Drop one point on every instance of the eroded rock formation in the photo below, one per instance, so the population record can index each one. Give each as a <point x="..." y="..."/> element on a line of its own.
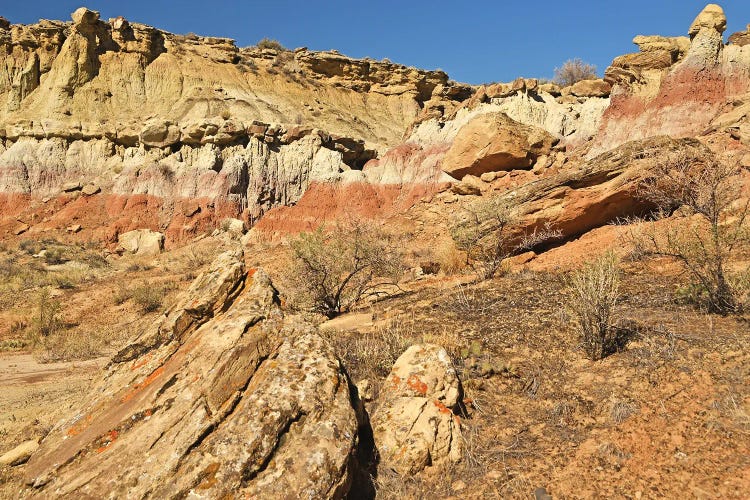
<point x="221" y="395"/>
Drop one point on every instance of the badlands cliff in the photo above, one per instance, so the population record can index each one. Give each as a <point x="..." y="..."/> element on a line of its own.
<point x="113" y="126"/>
<point x="174" y="133"/>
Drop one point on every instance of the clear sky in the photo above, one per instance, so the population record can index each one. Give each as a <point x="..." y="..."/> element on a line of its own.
<point x="474" y="41"/>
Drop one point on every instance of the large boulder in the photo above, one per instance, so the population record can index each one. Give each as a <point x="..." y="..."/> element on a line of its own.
<point x="142" y="242"/>
<point x="221" y="397"/>
<point x="492" y="142"/>
<point x="415" y="424"/>
<point x="589" y="88"/>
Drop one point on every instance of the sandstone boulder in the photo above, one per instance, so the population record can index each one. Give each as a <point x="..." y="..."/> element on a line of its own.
<point x="159" y="133"/>
<point x="590" y="88"/>
<point x="90" y="189"/>
<point x="234" y="226"/>
<point x="415" y="424"/>
<point x="142" y="242"/>
<point x="83" y="16"/>
<point x="493" y="142"/>
<point x="470" y="185"/>
<point x="595" y="192"/>
<point x="220" y="397"/>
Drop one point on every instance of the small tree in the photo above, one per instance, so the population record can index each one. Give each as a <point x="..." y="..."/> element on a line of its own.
<point x="334" y="269"/>
<point x="572" y="71"/>
<point x="594" y="291"/>
<point x="484" y="232"/>
<point x="706" y="187"/>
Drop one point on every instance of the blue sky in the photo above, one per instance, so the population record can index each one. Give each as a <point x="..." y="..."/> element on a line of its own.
<point x="473" y="41"/>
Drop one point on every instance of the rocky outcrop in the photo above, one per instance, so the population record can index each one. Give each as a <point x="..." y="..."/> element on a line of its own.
<point x="165" y="120"/>
<point x="71" y="78"/>
<point x="593" y="193"/>
<point x="493" y="142"/>
<point x="740" y="38"/>
<point x="674" y="86"/>
<point x="416" y="423"/>
<point x="220" y="396"/>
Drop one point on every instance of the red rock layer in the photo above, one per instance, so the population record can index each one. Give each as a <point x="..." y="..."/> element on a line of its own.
<point x="325" y="202"/>
<point x="103" y="217"/>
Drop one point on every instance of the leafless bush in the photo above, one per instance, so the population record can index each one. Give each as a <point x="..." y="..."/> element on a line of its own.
<point x="484" y="232"/>
<point x="334" y="269"/>
<point x="269" y="43"/>
<point x="46" y="319"/>
<point x="572" y="71"/>
<point x="595" y="290"/>
<point x="713" y="228"/>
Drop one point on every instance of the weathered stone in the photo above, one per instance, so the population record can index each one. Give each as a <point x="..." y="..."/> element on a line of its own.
<point x="591" y="88"/>
<point x="90" y="189"/>
<point x="219" y="397"/>
<point x="71" y="186"/>
<point x="740" y="38"/>
<point x="492" y="142"/>
<point x="142" y="242"/>
<point x="415" y="424"/>
<point x="711" y="17"/>
<point x="21" y="228"/>
<point x="469" y="185"/>
<point x="234" y="226"/>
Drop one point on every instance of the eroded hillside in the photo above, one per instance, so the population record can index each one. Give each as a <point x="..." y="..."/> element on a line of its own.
<point x="159" y="330"/>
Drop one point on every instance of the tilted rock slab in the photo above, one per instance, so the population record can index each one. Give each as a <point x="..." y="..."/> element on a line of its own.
<point x="215" y="399"/>
<point x="415" y="425"/>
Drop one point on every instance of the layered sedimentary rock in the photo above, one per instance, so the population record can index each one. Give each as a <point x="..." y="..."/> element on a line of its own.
<point x="221" y="396"/>
<point x="146" y="114"/>
<point x="674" y="86"/>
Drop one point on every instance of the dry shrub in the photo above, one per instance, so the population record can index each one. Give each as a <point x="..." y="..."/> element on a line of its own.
<point x="334" y="269"/>
<point x="147" y="297"/>
<point x="46" y="320"/>
<point x="269" y="43"/>
<point x="595" y="290"/>
<point x="451" y="259"/>
<point x="572" y="71"/>
<point x="485" y="231"/>
<point x="714" y="228"/>
<point x="67" y="345"/>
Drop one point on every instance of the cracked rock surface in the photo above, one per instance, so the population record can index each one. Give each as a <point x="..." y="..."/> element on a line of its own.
<point x="415" y="425"/>
<point x="222" y="395"/>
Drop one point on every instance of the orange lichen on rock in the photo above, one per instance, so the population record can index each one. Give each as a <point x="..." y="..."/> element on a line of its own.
<point x="441" y="407"/>
<point x="79" y="426"/>
<point x="146" y="382"/>
<point x="108" y="439"/>
<point x="142" y="362"/>
<point x="417" y="385"/>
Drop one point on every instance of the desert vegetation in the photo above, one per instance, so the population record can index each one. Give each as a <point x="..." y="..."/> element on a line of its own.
<point x="572" y="71"/>
<point x="487" y="230"/>
<point x="710" y="227"/>
<point x="336" y="267"/>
